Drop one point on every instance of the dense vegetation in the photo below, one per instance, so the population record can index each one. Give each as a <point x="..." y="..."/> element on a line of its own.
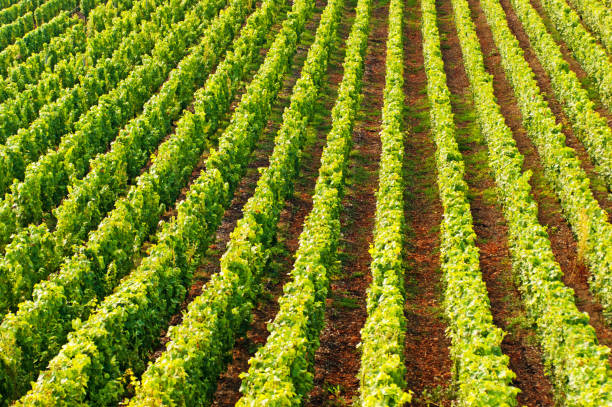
<point x="128" y="131"/>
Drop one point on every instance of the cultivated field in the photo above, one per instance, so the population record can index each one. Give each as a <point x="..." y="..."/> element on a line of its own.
<point x="305" y="203"/>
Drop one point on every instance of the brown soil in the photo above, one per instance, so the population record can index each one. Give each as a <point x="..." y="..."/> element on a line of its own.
<point x="428" y="364"/>
<point x="80" y="15"/>
<point x="337" y="361"/>
<point x="550" y="213"/>
<point x="574" y="65"/>
<point x="490" y="227"/>
<point x="598" y="186"/>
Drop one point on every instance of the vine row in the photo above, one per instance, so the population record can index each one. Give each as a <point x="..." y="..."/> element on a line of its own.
<point x="562" y="167"/>
<point x="598" y="18"/>
<point x="280" y="373"/>
<point x="590" y="127"/>
<point x="142" y="304"/>
<point x="9" y="33"/>
<point x="29" y="71"/>
<point x="53" y="106"/>
<point x="209" y="328"/>
<point x="481" y="370"/>
<point x="33" y="41"/>
<point x="382" y="373"/>
<point x="582" y="376"/>
<point x="34" y="253"/>
<point x="37" y="330"/>
<point x="589" y="54"/>
<point x="46" y="181"/>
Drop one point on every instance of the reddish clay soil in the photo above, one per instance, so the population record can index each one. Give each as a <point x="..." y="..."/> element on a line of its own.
<point x="550" y="213"/>
<point x="600" y="192"/>
<point x="490" y="227"/>
<point x="337" y="360"/>
<point x="428" y="365"/>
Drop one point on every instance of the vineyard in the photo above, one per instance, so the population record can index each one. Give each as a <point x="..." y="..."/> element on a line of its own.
<point x="306" y="203"/>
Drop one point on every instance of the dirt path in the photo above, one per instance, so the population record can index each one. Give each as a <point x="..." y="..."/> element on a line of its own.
<point x="337" y="360"/>
<point x="489" y="225"/>
<point x="598" y="185"/>
<point x="427" y="347"/>
<point x="550" y="215"/>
